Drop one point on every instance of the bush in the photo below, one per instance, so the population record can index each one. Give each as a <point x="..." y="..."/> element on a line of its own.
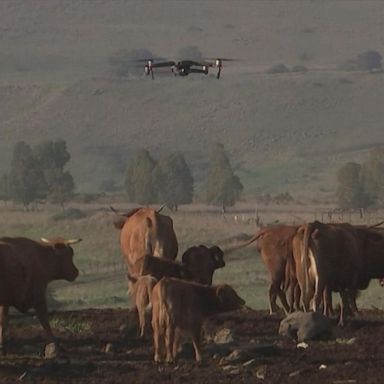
<point x="299" y="68"/>
<point x="278" y="68"/>
<point x="69" y="214"/>
<point x="368" y="61"/>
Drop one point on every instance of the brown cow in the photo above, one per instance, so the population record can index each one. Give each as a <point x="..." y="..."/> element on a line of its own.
<point x="275" y="247"/>
<point x="142" y="290"/>
<point x="198" y="265"/>
<point x="145" y="231"/>
<point x="26" y="268"/>
<point x="180" y="307"/>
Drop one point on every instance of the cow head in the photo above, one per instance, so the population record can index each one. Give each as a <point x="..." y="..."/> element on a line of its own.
<point x="201" y="262"/>
<point x="228" y="298"/>
<point x="63" y="258"/>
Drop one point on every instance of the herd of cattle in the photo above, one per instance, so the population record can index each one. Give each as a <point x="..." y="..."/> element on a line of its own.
<point x="306" y="264"/>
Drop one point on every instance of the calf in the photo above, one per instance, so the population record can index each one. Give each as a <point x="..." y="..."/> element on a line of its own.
<point x="26" y="268"/>
<point x="141" y="293"/>
<point x="180" y="307"/>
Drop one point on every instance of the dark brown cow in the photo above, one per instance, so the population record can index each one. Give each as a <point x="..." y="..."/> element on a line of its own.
<point x="200" y="262"/>
<point x="159" y="267"/>
<point x="145" y="231"/>
<point x="180" y="307"/>
<point x="333" y="245"/>
<point x="26" y="268"/>
<point x="332" y="261"/>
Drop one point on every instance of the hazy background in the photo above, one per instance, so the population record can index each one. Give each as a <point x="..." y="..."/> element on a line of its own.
<point x="283" y="132"/>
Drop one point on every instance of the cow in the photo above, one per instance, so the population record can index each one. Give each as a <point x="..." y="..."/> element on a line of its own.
<point x="275" y="247"/>
<point x="142" y="290"/>
<point x="26" y="268"/>
<point x="320" y="251"/>
<point x="160" y="267"/>
<point x="331" y="260"/>
<point x="144" y="231"/>
<point x="200" y="262"/>
<point x="180" y="307"/>
<point x="198" y="265"/>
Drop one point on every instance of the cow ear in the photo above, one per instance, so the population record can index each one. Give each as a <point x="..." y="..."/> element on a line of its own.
<point x="186" y="258"/>
<point x="221" y="292"/>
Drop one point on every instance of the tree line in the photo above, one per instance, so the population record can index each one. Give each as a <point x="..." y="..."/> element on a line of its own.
<point x="38" y="174"/>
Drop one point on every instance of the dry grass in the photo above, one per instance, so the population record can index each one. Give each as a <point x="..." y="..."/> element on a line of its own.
<point x="102" y="282"/>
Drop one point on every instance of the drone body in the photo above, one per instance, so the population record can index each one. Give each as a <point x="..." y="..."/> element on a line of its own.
<point x="184" y="67"/>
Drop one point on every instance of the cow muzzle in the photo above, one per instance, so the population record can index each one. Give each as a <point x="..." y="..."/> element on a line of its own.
<point x="73" y="275"/>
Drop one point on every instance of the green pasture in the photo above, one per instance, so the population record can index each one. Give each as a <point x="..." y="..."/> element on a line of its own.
<point x="102" y="280"/>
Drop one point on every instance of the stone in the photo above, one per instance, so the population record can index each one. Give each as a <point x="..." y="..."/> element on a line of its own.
<point x="224" y="336"/>
<point x="304" y="326"/>
<point x="51" y="351"/>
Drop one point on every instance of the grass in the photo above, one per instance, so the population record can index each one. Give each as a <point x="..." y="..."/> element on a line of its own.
<point x="102" y="281"/>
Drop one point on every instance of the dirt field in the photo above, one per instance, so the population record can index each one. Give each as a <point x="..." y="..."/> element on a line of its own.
<point x="99" y="346"/>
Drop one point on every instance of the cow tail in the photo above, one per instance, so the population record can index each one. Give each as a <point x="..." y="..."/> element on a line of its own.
<point x="248" y="242"/>
<point x="305" y="261"/>
<point x="148" y="241"/>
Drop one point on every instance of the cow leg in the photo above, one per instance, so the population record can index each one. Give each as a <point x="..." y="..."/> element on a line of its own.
<point x="297" y="293"/>
<point x="343" y="303"/>
<point x="176" y="345"/>
<point x="156" y="340"/>
<point x="42" y="316"/>
<point x="3" y="328"/>
<point x="169" y="342"/>
<point x="273" y="307"/>
<point x="196" y="341"/>
<point x="141" y="312"/>
<point x="327" y="302"/>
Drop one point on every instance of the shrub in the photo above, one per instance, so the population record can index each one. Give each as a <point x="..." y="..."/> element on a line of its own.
<point x="278" y="68"/>
<point x="368" y="60"/>
<point x="299" y="68"/>
<point x="69" y="214"/>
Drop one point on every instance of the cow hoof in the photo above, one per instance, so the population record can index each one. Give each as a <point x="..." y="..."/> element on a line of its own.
<point x="51" y="351"/>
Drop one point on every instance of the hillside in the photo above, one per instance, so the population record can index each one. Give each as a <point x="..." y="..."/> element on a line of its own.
<point x="283" y="132"/>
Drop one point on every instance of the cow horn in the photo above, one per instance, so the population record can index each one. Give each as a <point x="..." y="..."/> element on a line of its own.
<point x="376" y="225"/>
<point x="161" y="208"/>
<point x="74" y="241"/>
<point x="44" y="240"/>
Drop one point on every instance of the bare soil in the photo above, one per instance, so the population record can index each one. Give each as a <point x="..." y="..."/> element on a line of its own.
<point x="101" y="346"/>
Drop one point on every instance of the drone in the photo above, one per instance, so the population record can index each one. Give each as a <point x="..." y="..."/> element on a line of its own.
<point x="185" y="67"/>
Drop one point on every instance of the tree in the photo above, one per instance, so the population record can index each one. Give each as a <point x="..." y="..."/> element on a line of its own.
<point x="174" y="181"/>
<point x="373" y="175"/>
<point x="350" y="191"/>
<point x="26" y="178"/>
<point x="5" y="191"/>
<point x="61" y="186"/>
<point x="222" y="186"/>
<point x="139" y="182"/>
<point x="52" y="156"/>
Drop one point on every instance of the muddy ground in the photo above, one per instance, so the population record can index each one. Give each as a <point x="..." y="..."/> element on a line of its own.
<point x="100" y="346"/>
